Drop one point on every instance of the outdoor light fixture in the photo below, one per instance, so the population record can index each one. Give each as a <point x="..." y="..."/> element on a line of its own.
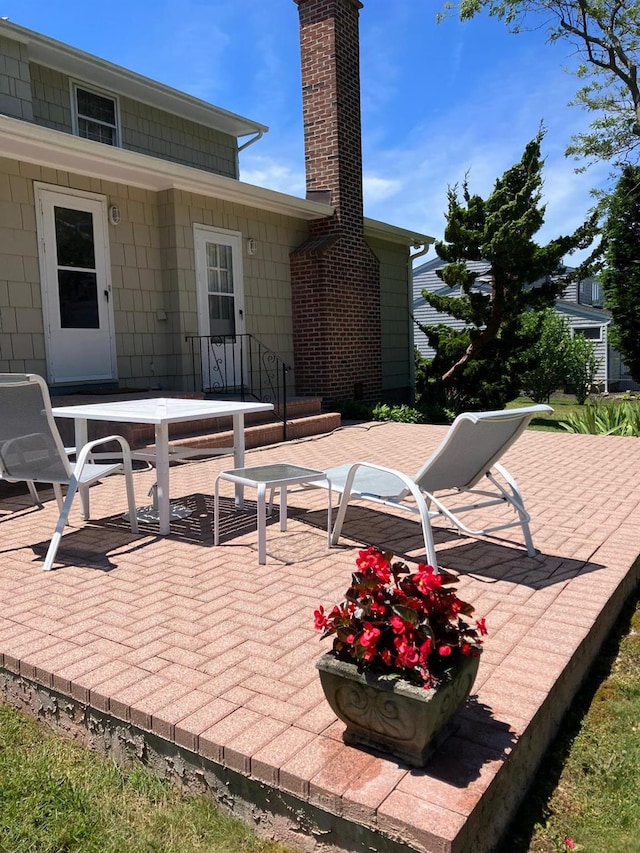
<point x="114" y="214"/>
<point x="252" y="246"/>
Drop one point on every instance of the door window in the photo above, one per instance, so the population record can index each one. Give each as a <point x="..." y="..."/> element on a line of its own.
<point x="77" y="277"/>
<point x="220" y="289"/>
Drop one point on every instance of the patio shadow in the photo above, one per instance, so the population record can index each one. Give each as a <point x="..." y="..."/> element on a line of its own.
<point x="488" y="558"/>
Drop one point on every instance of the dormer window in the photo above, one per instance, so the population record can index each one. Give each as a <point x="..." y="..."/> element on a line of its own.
<point x="95" y="115"/>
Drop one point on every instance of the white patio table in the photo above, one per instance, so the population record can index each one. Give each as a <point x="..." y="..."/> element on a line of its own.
<point x="161" y="412"/>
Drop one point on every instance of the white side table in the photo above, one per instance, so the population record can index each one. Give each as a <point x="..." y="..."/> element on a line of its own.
<point x="279" y="476"/>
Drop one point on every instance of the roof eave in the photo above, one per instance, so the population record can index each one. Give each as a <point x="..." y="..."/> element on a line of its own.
<point x="23" y="141"/>
<point x="120" y="81"/>
<point x="382" y="230"/>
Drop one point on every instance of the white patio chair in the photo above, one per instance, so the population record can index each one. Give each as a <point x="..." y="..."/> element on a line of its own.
<point x="31" y="450"/>
<point x="467" y="455"/>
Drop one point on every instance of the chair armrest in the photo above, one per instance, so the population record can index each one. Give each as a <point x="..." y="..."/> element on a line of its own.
<point x="81" y="456"/>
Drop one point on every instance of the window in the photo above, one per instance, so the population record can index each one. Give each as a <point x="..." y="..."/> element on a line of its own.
<point x="95" y="116"/>
<point x="590" y="293"/>
<point x="594" y="333"/>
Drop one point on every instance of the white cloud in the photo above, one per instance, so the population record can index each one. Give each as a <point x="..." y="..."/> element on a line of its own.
<point x="377" y="189"/>
<point x="274" y="174"/>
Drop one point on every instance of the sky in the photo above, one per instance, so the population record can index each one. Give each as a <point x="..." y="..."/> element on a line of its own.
<point x="439" y="101"/>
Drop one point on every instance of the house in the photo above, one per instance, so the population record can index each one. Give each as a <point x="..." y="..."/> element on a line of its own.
<point x="130" y="249"/>
<point x="581" y="305"/>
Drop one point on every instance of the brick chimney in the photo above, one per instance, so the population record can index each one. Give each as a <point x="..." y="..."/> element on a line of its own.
<point x="335" y="277"/>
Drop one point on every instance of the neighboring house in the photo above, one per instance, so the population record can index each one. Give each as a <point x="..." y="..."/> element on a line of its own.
<point x="581" y="305"/>
<point x="125" y="232"/>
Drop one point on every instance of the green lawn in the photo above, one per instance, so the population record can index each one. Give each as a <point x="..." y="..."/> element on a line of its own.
<point x="562" y="406"/>
<point x="588" y="789"/>
<point x="56" y="797"/>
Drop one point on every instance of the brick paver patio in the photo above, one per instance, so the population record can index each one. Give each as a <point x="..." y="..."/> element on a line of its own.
<point x="202" y="661"/>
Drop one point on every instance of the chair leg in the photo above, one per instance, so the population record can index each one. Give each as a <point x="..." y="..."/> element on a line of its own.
<point x="262" y="524"/>
<point x="342" y="511"/>
<point x="62" y="520"/>
<point x="57" y="490"/>
<point x="35" y="497"/>
<point x="216" y="512"/>
<point x="514" y="497"/>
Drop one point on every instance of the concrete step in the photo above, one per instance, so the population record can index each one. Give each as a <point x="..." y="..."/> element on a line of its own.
<point x="263" y="434"/>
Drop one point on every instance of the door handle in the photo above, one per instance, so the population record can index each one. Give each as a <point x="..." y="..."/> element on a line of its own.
<point x="106" y="295"/>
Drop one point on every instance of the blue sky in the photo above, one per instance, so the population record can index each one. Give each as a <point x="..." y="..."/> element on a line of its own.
<point x="438" y="101"/>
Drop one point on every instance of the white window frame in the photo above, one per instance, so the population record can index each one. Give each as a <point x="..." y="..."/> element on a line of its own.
<point x="576" y="330"/>
<point x="93" y="90"/>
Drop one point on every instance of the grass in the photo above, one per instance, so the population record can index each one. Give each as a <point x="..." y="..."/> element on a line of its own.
<point x="587" y="789"/>
<point x="562" y="406"/>
<point x="57" y="797"/>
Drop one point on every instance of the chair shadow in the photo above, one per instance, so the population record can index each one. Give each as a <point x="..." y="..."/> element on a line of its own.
<point x="197" y="526"/>
<point x="497" y="560"/>
<point x="76" y="549"/>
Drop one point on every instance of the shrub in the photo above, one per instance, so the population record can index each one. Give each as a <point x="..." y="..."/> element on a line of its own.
<point x="600" y="418"/>
<point x="400" y="413"/>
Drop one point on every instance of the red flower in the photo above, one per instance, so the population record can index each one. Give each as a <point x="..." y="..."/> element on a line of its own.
<point x="465" y="649"/>
<point x="481" y="625"/>
<point x="425" y="650"/>
<point x="408" y="655"/>
<point x="373" y="560"/>
<point x="320" y="618"/>
<point x="444" y="650"/>
<point x="426" y="579"/>
<point x="397" y="624"/>
<point x="377" y="609"/>
<point x="569" y="843"/>
<point x="370" y="635"/>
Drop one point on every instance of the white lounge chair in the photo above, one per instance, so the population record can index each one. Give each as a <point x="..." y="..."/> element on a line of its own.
<point x="467" y="455"/>
<point x="31" y="450"/>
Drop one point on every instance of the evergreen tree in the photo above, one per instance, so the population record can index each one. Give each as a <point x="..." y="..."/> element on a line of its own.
<point x="621" y="276"/>
<point x="480" y="366"/>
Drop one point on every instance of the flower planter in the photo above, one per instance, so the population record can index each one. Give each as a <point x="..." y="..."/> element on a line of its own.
<point x="392" y="715"/>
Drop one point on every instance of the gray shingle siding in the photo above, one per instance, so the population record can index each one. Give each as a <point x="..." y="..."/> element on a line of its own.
<point x="145" y="129"/>
<point x="426" y="278"/>
<point x="15" y="82"/>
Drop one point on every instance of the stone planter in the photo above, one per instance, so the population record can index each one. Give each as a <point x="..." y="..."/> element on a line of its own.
<point x="392" y="715"/>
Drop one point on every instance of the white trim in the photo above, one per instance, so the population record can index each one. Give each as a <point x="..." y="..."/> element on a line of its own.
<point x="74" y="85"/>
<point x="579" y="329"/>
<point x="391" y="233"/>
<point x="23" y="141"/>
<point x="27" y="142"/>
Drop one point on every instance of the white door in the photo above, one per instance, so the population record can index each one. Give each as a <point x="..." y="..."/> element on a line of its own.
<point x="76" y="286"/>
<point x="218" y="261"/>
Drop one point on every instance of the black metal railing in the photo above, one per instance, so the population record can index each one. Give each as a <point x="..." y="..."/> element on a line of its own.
<point x="240" y="365"/>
